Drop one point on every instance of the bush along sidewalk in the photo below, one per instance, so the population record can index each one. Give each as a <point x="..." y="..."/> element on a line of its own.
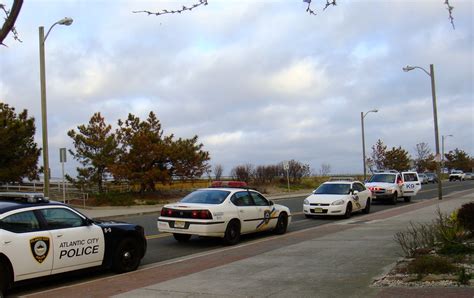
<point x="440" y="253"/>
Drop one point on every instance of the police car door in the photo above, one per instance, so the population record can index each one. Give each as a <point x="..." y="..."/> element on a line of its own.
<point x="26" y="246"/>
<point x="411" y="184"/>
<point x="76" y="243"/>
<point x="267" y="213"/>
<point x="246" y="209"/>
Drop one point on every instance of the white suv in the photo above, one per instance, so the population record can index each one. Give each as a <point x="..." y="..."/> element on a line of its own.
<point x="392" y="185"/>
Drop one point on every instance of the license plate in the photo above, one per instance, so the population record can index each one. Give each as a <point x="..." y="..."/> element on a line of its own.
<point x="318" y="210"/>
<point x="179" y="224"/>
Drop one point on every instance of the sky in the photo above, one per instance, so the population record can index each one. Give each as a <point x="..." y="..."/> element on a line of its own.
<point x="259" y="82"/>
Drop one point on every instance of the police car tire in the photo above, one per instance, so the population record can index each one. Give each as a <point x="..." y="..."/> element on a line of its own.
<point x="366" y="209"/>
<point x="232" y="232"/>
<point x="394" y="199"/>
<point x="4" y="276"/>
<point x="181" y="237"/>
<point x="282" y="224"/>
<point x="348" y="212"/>
<point x="127" y="256"/>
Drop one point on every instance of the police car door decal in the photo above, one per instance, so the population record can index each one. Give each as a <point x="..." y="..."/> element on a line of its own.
<point x="40" y="248"/>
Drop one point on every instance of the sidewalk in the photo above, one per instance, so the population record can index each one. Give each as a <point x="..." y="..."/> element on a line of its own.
<point x="334" y="260"/>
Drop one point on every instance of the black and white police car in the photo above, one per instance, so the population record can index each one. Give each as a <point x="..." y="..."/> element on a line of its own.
<point x="39" y="237"/>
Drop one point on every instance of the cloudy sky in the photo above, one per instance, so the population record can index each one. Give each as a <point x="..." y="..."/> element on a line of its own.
<point x="258" y="81"/>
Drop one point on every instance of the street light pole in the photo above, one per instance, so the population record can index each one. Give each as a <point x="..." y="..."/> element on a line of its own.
<point x="435" y="120"/>
<point x="42" y="39"/>
<point x="362" y="116"/>
<point x="442" y="148"/>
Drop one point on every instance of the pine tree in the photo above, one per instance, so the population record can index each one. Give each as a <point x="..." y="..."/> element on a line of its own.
<point x="18" y="151"/>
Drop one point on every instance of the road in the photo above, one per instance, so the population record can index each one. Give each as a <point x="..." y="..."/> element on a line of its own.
<point x="163" y="247"/>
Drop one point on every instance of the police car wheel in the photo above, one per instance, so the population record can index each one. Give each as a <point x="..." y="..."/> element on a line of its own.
<point x="282" y="224"/>
<point x="366" y="209"/>
<point x="348" y="213"/>
<point x="394" y="199"/>
<point x="127" y="256"/>
<point x="181" y="237"/>
<point x="232" y="233"/>
<point x="4" y="274"/>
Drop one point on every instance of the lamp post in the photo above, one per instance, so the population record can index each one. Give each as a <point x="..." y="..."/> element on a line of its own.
<point x="435" y="120"/>
<point x="362" y="116"/>
<point x="42" y="39"/>
<point x="442" y="148"/>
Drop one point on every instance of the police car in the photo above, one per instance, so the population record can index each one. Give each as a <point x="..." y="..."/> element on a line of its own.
<point x="392" y="185"/>
<point x="227" y="209"/>
<point x="339" y="196"/>
<point x="39" y="237"/>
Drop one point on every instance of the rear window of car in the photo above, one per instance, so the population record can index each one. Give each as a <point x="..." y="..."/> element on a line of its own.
<point x="333" y="189"/>
<point x="386" y="178"/>
<point x="206" y="197"/>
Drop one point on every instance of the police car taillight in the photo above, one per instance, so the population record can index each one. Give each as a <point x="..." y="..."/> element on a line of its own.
<point x="236" y="184"/>
<point x="201" y="214"/>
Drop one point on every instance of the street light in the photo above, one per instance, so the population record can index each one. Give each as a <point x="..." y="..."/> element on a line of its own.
<point x="442" y="148"/>
<point x="362" y="116"/>
<point x="42" y="39"/>
<point x="435" y="119"/>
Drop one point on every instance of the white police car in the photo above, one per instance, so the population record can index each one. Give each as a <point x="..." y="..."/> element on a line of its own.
<point x="227" y="210"/>
<point x="339" y="196"/>
<point x="39" y="237"/>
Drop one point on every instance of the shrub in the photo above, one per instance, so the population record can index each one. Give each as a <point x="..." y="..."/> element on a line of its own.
<point x="466" y="217"/>
<point x="416" y="239"/>
<point x="455" y="249"/>
<point x="464" y="277"/>
<point x="448" y="229"/>
<point x="428" y="264"/>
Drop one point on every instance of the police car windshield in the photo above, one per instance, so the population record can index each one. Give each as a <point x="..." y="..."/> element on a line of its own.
<point x="333" y="189"/>
<point x="386" y="178"/>
<point x="206" y="197"/>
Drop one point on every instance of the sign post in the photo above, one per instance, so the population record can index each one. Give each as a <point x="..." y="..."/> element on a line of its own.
<point x="286" y="167"/>
<point x="62" y="159"/>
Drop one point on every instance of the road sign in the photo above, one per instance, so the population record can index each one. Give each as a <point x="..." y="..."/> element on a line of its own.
<point x="62" y="155"/>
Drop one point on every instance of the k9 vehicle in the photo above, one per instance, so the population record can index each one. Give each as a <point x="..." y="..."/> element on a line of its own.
<point x="391" y="185"/>
<point x="338" y="197"/>
<point x="39" y="237"/>
<point x="227" y="210"/>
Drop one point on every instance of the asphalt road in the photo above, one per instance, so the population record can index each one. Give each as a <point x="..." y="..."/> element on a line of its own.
<point x="163" y="247"/>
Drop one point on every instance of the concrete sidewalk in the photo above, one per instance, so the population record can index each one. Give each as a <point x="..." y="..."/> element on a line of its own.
<point x="334" y="260"/>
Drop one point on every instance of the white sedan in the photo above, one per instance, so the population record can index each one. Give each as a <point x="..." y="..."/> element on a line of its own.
<point x="225" y="211"/>
<point x="338" y="198"/>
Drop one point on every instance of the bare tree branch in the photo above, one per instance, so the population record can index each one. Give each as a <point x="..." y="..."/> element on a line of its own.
<point x="10" y="19"/>
<point x="165" y="11"/>
<point x="450" y="10"/>
<point x="312" y="12"/>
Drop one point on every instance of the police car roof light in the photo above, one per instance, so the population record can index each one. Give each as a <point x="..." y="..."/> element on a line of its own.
<point x="29" y="197"/>
<point x="229" y="184"/>
<point x="342" y="179"/>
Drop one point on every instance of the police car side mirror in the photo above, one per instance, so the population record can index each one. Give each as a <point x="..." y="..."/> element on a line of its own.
<point x="271" y="203"/>
<point x="89" y="221"/>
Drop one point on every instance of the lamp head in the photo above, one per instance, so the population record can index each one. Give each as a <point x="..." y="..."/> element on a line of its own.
<point x="408" y="68"/>
<point x="65" y="21"/>
<point x="374" y="110"/>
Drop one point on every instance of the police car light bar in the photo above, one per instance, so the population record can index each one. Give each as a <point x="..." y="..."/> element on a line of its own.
<point x="30" y="197"/>
<point x="341" y="179"/>
<point x="230" y="184"/>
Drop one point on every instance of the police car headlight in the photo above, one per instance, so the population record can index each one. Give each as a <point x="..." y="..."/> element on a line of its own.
<point x="305" y="202"/>
<point x="338" y="202"/>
